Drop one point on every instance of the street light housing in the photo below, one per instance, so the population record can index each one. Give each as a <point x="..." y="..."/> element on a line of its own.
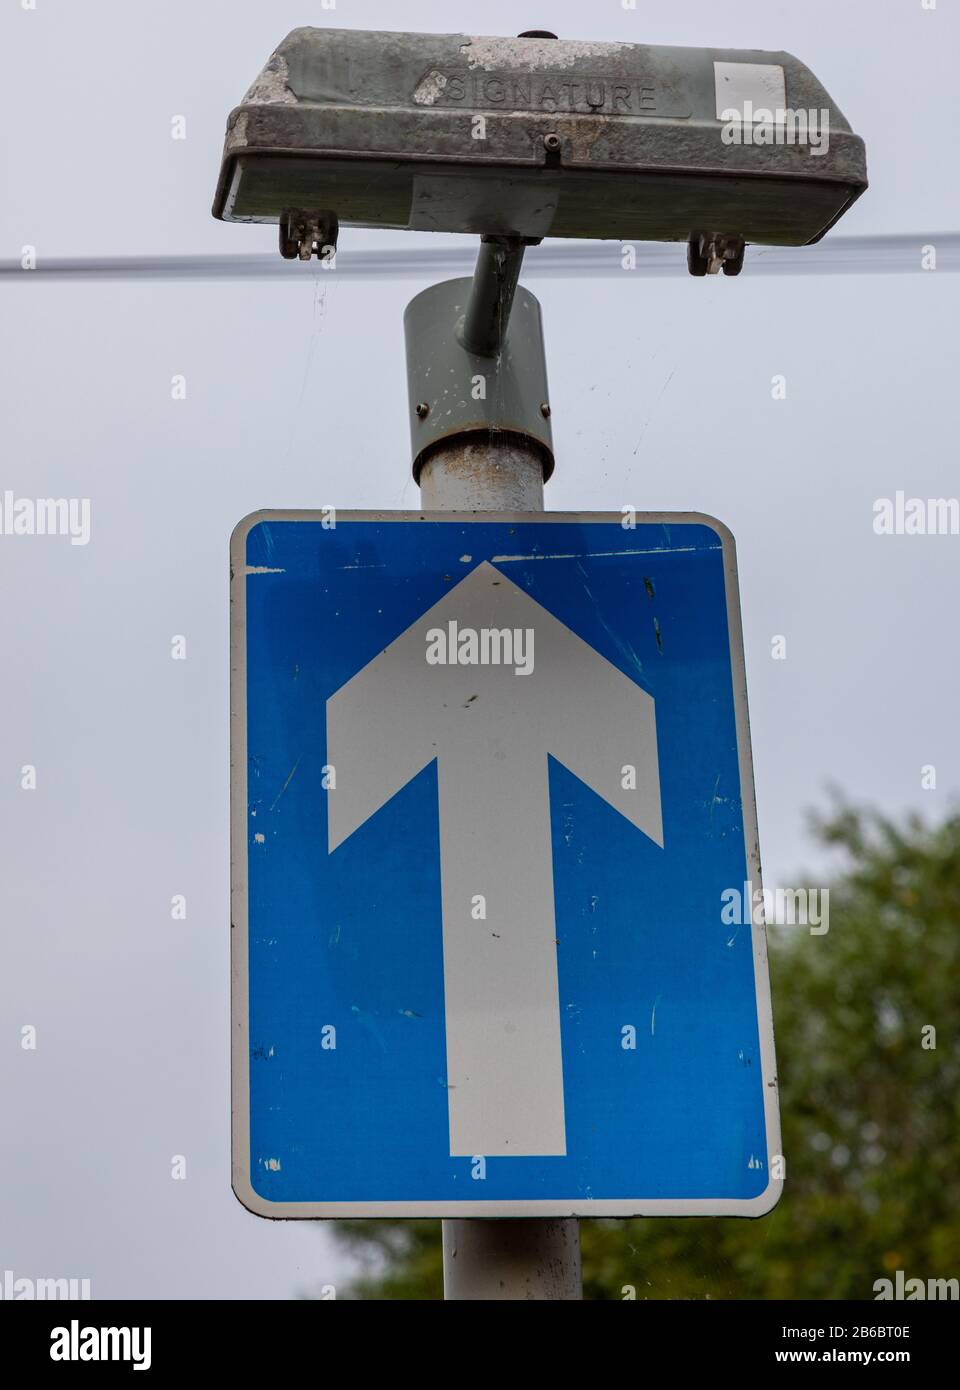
<point x="532" y="137"/>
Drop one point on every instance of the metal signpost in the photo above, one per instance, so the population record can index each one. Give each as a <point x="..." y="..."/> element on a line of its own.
<point x="491" y="766"/>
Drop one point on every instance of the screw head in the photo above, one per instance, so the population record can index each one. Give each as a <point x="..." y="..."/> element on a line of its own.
<point x="423" y="410"/>
<point x="552" y="142"/>
<point x="545" y="410"/>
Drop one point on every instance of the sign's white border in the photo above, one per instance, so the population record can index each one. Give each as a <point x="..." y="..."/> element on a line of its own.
<point x="496" y="1207"/>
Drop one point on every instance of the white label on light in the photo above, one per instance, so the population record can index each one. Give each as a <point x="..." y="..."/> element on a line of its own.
<point x="762" y="84"/>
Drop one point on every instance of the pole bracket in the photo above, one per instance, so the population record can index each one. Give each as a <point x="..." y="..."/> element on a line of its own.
<point x="476" y="364"/>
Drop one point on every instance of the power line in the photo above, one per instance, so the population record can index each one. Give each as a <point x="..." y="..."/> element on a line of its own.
<point x="848" y="255"/>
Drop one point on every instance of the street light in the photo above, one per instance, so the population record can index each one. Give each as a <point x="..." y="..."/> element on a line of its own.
<point x="535" y="136"/>
<point x="515" y="139"/>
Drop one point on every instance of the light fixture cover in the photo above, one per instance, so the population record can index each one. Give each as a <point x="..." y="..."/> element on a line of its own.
<point x="539" y="137"/>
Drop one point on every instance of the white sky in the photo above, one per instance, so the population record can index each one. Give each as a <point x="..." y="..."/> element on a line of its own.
<point x="661" y="394"/>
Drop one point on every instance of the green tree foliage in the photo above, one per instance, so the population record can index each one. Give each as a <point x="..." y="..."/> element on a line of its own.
<point x="871" y="1115"/>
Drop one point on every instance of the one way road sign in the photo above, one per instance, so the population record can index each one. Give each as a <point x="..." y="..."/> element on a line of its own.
<point x="490" y="734"/>
<point x="491" y="783"/>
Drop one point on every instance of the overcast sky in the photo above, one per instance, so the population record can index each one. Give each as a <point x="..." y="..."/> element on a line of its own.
<point x="661" y="392"/>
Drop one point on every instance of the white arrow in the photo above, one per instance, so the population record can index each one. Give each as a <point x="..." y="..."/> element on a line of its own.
<point x="491" y="729"/>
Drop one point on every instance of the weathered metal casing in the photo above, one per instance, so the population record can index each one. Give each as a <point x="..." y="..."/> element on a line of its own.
<point x="468" y="394"/>
<point x="533" y="137"/>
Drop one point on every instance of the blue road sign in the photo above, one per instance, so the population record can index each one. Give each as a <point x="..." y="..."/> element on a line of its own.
<point x="492" y="799"/>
